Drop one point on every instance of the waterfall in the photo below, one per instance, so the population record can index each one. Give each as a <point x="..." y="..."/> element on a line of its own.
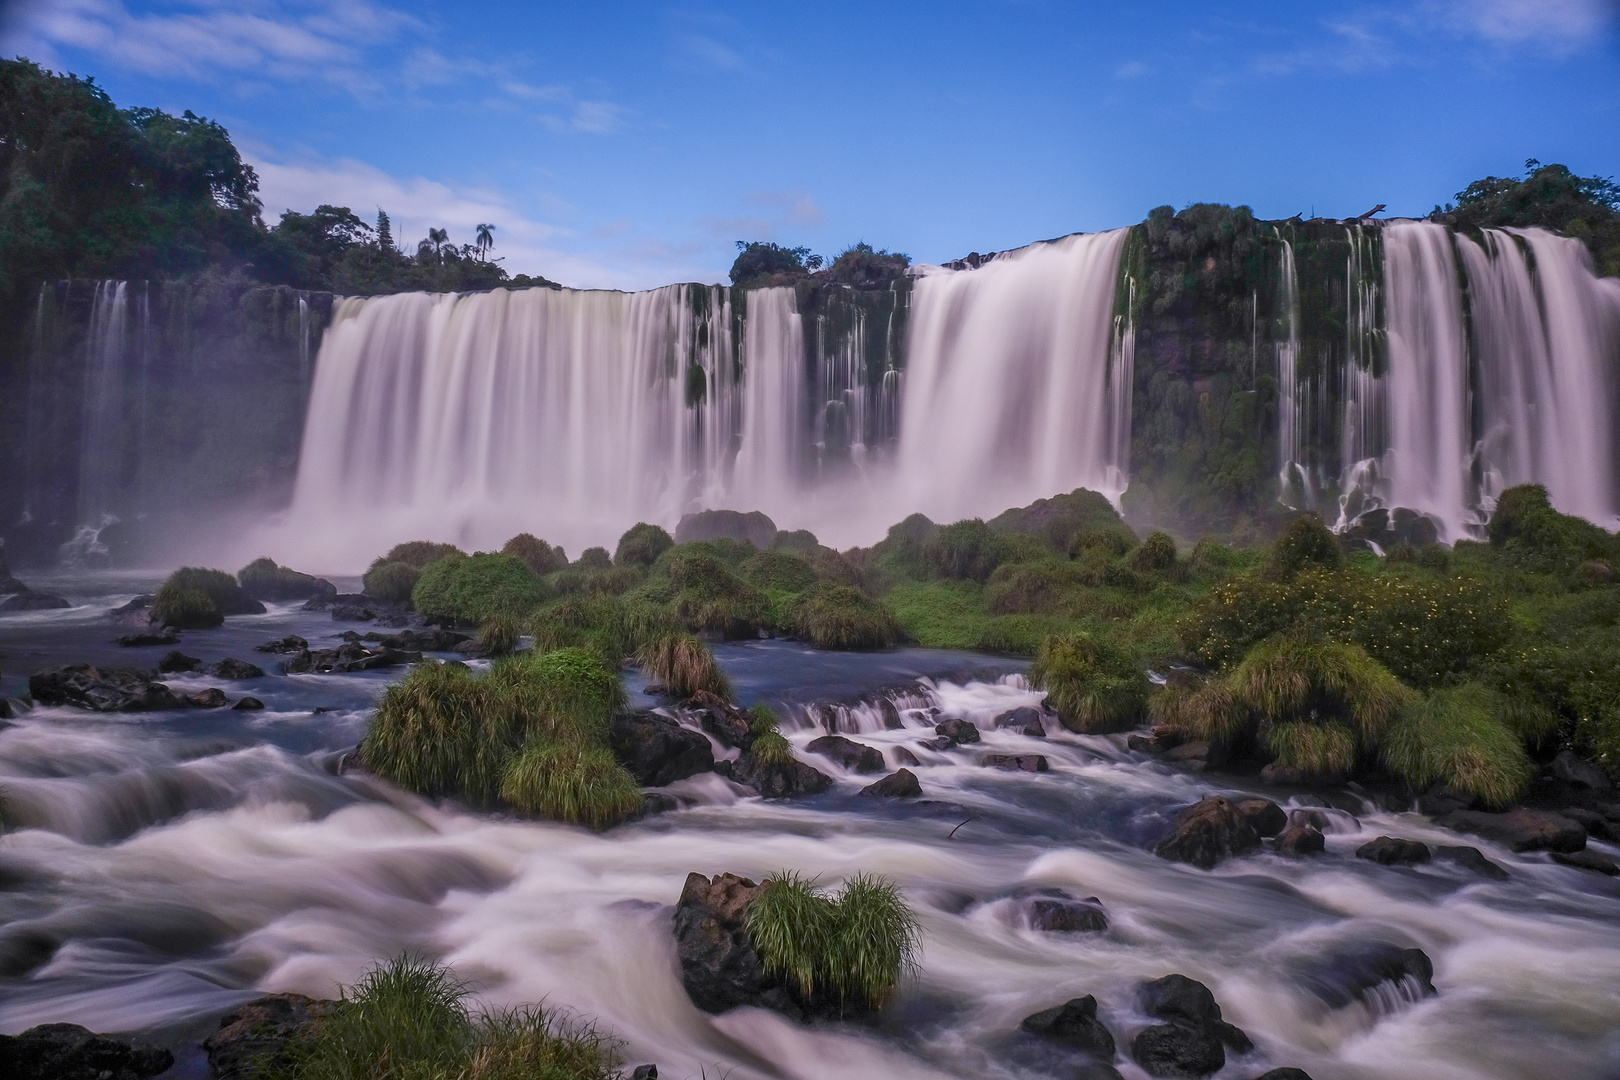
<point x="103" y="451"/>
<point x="1293" y="396"/>
<point x="574" y="414"/>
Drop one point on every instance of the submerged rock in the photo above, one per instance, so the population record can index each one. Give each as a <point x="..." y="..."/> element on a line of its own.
<point x="1064" y="915"/>
<point x="348" y="658"/>
<point x="1469" y="858"/>
<point x="1074" y="1024"/>
<point x="33" y="601"/>
<point x="163" y="637"/>
<point x="71" y="1052"/>
<point x="720" y="718"/>
<point x="657" y="751"/>
<point x="1207" y="832"/>
<point x="1393" y="851"/>
<point x="1016" y="762"/>
<point x="1025" y="718"/>
<point x="292" y="643"/>
<point x="1588" y="860"/>
<point x="255" y="1042"/>
<point x="249" y="704"/>
<point x="1368" y="971"/>
<point x="898" y="785"/>
<point x="1520" y="830"/>
<point x="176" y="661"/>
<point x="1193" y="1040"/>
<point x="857" y="757"/>
<point x="235" y="669"/>
<point x="101" y="690"/>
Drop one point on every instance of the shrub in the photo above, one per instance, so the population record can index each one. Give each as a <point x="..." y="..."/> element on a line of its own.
<point x="966" y="550"/>
<point x="1525" y="527"/>
<point x="1328" y="749"/>
<point x="802" y="541"/>
<point x="1453" y="737"/>
<point x="391" y="581"/>
<point x="1092" y="684"/>
<point x="576" y="785"/>
<point x="1431" y="557"/>
<point x="777" y="570"/>
<point x="582" y="620"/>
<point x="1286" y="679"/>
<point x="612" y="581"/>
<point x="185" y="609"/>
<point x="708" y="598"/>
<point x="262" y="579"/>
<point x="542" y="557"/>
<point x="684" y="665"/>
<point x="220" y="588"/>
<point x="1211" y="558"/>
<point x="1156" y="555"/>
<point x="641" y="545"/>
<point x="1306" y="543"/>
<point x="420" y="553"/>
<point x="854" y="949"/>
<point x="1111" y="541"/>
<point x="567" y="694"/>
<point x="1040" y="587"/>
<point x="1054" y="521"/>
<point x="831" y="616"/>
<point x="474" y="587"/>
<point x="771" y="748"/>
<point x="498" y="634"/>
<point x="595" y="558"/>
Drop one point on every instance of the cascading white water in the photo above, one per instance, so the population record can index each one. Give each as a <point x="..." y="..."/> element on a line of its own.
<point x="574" y="414"/>
<point x="1293" y="396"/>
<point x="101" y="449"/>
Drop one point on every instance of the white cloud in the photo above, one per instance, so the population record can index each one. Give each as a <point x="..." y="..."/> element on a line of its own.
<point x="796" y="207"/>
<point x="588" y="117"/>
<point x="703" y="52"/>
<point x="1560" y="25"/>
<point x="1132" y="69"/>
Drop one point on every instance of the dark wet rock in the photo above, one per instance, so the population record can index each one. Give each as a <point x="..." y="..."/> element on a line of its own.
<point x="1073" y="1024"/>
<point x="1588" y="860"/>
<point x="290" y="644"/>
<point x="101" y="689"/>
<point x="1173" y="1050"/>
<point x="1284" y="1074"/>
<point x="1288" y="776"/>
<point x="644" y="1072"/>
<point x="1469" y="858"/>
<point x="1025" y="718"/>
<point x="211" y="698"/>
<point x="177" y="661"/>
<point x="347" y="659"/>
<point x="437" y="639"/>
<point x="281" y="584"/>
<point x="906" y="757"/>
<point x="1181" y="1000"/>
<point x="1297" y="841"/>
<point x="1439" y="799"/>
<point x="1520" y="830"/>
<point x="754" y="528"/>
<point x="1198" y="751"/>
<point x="857" y="757"/>
<point x="1265" y="816"/>
<point x="71" y="1052"/>
<point x="897" y="785"/>
<point x="940" y="744"/>
<point x="136" y="614"/>
<point x="163" y="637"/>
<point x="958" y="731"/>
<point x="249" y="704"/>
<point x="1207" y="832"/>
<point x="255" y="1041"/>
<point x="720" y="969"/>
<point x="33" y="601"/>
<point x="1064" y="915"/>
<point x="1393" y="851"/>
<point x="1365" y="970"/>
<point x="1016" y="762"/>
<point x="1570" y="769"/>
<point x="1096" y="1070"/>
<point x="785" y="780"/>
<point x="1595" y="824"/>
<point x="723" y="720"/>
<point x="358" y="607"/>
<point x="891" y="714"/>
<point x="657" y="750"/>
<point x="654" y="803"/>
<point x="229" y="668"/>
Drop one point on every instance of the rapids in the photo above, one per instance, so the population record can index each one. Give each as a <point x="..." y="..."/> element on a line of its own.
<point x="163" y="867"/>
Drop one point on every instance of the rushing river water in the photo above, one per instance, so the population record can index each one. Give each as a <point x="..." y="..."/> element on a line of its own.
<point x="164" y="867"/>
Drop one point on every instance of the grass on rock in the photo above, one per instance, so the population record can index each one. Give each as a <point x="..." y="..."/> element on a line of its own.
<point x="392" y="582"/>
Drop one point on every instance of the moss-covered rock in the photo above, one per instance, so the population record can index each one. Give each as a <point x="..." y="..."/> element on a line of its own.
<point x="833" y="616"/>
<point x="1091" y="683"/>
<point x="472" y="588"/>
<point x="641" y="545"/>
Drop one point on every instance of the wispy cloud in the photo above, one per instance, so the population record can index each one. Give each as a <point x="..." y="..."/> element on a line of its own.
<point x="795" y="207"/>
<point x="587" y="117"/>
<point x="1133" y="69"/>
<point x="1562" y="26"/>
<point x="705" y="53"/>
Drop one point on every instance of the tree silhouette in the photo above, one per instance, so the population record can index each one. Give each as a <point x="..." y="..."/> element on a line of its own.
<point x="486" y="239"/>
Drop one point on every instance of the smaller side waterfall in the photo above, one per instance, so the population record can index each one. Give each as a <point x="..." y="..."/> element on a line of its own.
<point x="1294" y="408"/>
<point x="106" y="456"/>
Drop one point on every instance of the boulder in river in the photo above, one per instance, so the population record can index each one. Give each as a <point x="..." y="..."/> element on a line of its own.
<point x="1057" y="913"/>
<point x="71" y="1052"/>
<point x="1193" y="1039"/>
<point x="957" y="731"/>
<point x="720" y="968"/>
<point x="1520" y="830"/>
<point x="657" y="751"/>
<point x="720" y="718"/>
<point x="210" y="698"/>
<point x="1284" y="1074"/>
<point x="291" y="644"/>
<point x="1265" y="816"/>
<point x="248" y="704"/>
<point x="1367" y="971"/>
<point x="1588" y="860"/>
<point x="256" y="1041"/>
<point x="1207" y="832"/>
<point x="857" y="757"/>
<point x="1299" y="840"/>
<point x="176" y="661"/>
<point x="1016" y="762"/>
<point x="1073" y="1024"/>
<point x="1469" y="858"/>
<point x="229" y="668"/>
<point x="1025" y="718"/>
<point x="141" y="640"/>
<point x="779" y="779"/>
<point x="33" y="601"/>
<point x="348" y="658"/>
<point x="897" y="785"/>
<point x="101" y="689"/>
<point x="1570" y="769"/>
<point x="1393" y="851"/>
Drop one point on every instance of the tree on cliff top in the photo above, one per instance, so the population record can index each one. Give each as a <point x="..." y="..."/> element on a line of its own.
<point x="1549" y="197"/>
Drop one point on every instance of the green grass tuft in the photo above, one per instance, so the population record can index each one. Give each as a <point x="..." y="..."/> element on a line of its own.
<point x="420" y="553"/>
<point x="1093" y="684"/>
<point x="831" y="616"/>
<point x="853" y="949"/>
<point x="777" y="570"/>
<point x="594" y="558"/>
<point x="1328" y="749"/>
<point x="185" y="609"/>
<point x="1454" y="737"/>
<point x="474" y="587"/>
<point x="1306" y="543"/>
<point x="391" y="581"/>
<point x="540" y="556"/>
<point x="1287" y="678"/>
<point x="573" y="784"/>
<point x="762" y="719"/>
<point x="641" y="545"/>
<point x="684" y="665"/>
<point x="499" y="634"/>
<point x="771" y="748"/>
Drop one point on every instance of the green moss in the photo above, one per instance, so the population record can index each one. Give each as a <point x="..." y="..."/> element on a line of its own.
<point x="1091" y="683"/>
<point x="1455" y="737"/>
<point x="474" y="587"/>
<point x="831" y="616"/>
<point x="1045" y="587"/>
<point x="185" y="609"/>
<point x="641" y="545"/>
<point x="391" y="581"/>
<point x="419" y="553"/>
<point x="541" y="557"/>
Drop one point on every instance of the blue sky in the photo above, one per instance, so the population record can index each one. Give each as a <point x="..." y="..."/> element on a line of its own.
<point x="628" y="145"/>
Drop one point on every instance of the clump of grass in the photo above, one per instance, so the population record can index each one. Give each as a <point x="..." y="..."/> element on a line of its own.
<point x="1209" y="711"/>
<point x="583" y="620"/>
<point x="853" y="949"/>
<point x="1328" y="749"/>
<point x="831" y="616"/>
<point x="499" y="634"/>
<point x="771" y="748"/>
<point x="707" y="597"/>
<point x="641" y="545"/>
<point x="185" y="609"/>
<point x="1036" y="588"/>
<point x="1305" y="543"/>
<point x="761" y="719"/>
<point x="777" y="570"/>
<point x="566" y="694"/>
<point x="1155" y="556"/>
<point x="1212" y="559"/>
<point x="801" y="540"/>
<point x="1093" y="684"/>
<point x="409" y="1020"/>
<point x="474" y="587"/>
<point x="1454" y="737"/>
<point x="576" y="785"/>
<point x="1112" y="541"/>
<point x="1289" y="678"/>
<point x="595" y="558"/>
<point x="390" y="581"/>
<point x="684" y="665"/>
<point x="420" y="553"/>
<point x="967" y="550"/>
<point x="540" y="556"/>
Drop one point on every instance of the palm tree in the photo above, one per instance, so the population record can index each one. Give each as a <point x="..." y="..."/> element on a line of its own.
<point x="438" y="238"/>
<point x="486" y="239"/>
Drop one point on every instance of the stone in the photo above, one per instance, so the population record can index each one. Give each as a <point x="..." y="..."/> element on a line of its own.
<point x="249" y="704"/>
<point x="957" y="731"/>
<point x="857" y="757"/>
<point x="891" y="714"/>
<point x="278" y="583"/>
<point x="1288" y="776"/>
<point x="211" y="698"/>
<point x="786" y="780"/>
<point x="657" y="751"/>
<point x="229" y="668"/>
<point x="650" y="1072"/>
<point x="177" y="661"/>
<point x="1439" y="799"/>
<point x="1284" y="1074"/>
<point x="654" y="803"/>
<point x="1297" y="841"/>
<point x="101" y="690"/>
<point x="1198" y="750"/>
<point x="71" y="1052"/>
<point x="720" y="968"/>
<point x="1096" y="1070"/>
<point x="940" y="744"/>
<point x="1469" y="858"/>
<point x="1178" y="999"/>
<point x="437" y="639"/>
<point x="1073" y="1024"/>
<point x="1594" y="823"/>
<point x="1363" y="971"/>
<point x="754" y="528"/>
<point x="347" y="658"/>
<point x="1193" y="1040"/>
<point x="1172" y="1050"/>
<point x="1016" y="762"/>
<point x="1062" y="915"/>
<point x="1024" y="718"/>
<point x="1206" y="833"/>
<point x="292" y="643"/>
<point x="1588" y="860"/>
<point x="1265" y="816"/>
<point x="1581" y="774"/>
<point x="164" y="637"/>
<point x="1393" y="851"/>
<point x="256" y="1040"/>
<point x="1520" y="830"/>
<point x="906" y="757"/>
<point x="897" y="785"/>
<point x="33" y="601"/>
<point x="137" y="613"/>
<point x="723" y="720"/>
